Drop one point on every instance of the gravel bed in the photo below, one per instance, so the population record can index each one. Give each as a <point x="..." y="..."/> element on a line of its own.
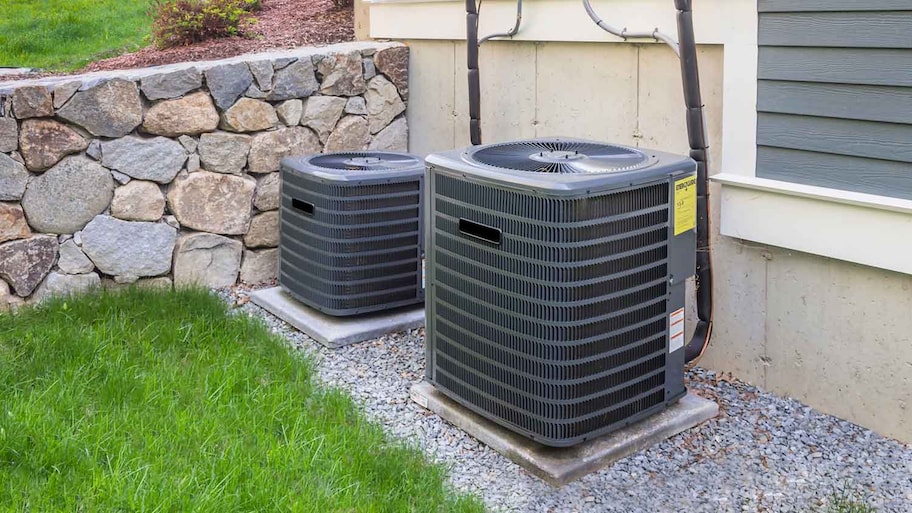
<point x="762" y="453"/>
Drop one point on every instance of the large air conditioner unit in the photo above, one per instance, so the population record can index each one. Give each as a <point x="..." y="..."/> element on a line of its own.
<point x="556" y="283"/>
<point x="351" y="235"/>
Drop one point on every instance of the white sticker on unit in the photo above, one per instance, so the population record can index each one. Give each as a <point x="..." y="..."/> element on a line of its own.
<point x="676" y="330"/>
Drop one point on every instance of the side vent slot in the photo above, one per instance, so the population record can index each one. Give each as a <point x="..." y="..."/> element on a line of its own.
<point x="303" y="206"/>
<point x="480" y="231"/>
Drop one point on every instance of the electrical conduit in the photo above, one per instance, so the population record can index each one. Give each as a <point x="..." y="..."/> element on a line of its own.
<point x="686" y="49"/>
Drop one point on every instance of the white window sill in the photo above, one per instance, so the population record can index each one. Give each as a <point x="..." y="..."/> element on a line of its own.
<point x="861" y="228"/>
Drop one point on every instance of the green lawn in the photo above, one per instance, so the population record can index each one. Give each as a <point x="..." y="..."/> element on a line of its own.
<point x="67" y="34"/>
<point x="160" y="401"/>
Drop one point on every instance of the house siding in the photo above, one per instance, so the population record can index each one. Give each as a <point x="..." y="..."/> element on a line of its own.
<point x="835" y="94"/>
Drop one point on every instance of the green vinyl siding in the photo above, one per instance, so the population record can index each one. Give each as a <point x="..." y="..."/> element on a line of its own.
<point x="835" y="94"/>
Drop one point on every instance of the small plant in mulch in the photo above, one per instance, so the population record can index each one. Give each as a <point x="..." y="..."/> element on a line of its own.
<point x="183" y="22"/>
<point x="847" y="501"/>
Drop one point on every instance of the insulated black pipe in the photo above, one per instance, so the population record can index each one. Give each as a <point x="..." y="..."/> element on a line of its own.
<point x="696" y="134"/>
<point x="697" y="138"/>
<point x="474" y="78"/>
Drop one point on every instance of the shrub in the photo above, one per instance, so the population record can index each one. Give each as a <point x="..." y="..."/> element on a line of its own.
<point x="181" y="22"/>
<point x="253" y="5"/>
<point x="343" y="3"/>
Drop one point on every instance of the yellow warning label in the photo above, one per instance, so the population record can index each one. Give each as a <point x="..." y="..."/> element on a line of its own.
<point x="685" y="204"/>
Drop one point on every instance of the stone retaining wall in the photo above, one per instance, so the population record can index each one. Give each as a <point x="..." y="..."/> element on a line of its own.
<point x="168" y="175"/>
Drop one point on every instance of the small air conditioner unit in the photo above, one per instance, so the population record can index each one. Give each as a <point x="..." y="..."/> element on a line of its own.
<point x="556" y="283"/>
<point x="351" y="235"/>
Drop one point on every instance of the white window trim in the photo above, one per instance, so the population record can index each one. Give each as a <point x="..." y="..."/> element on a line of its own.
<point x="861" y="228"/>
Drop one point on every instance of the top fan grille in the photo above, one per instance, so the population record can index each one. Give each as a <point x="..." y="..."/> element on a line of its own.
<point x="557" y="156"/>
<point x="365" y="161"/>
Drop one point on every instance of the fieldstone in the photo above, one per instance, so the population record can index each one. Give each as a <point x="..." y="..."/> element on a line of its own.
<point x="159" y="282"/>
<point x="343" y="74"/>
<point x="351" y="134"/>
<point x="370" y="71"/>
<point x="189" y="143"/>
<point x="68" y="195"/>
<point x="290" y="112"/>
<point x="193" y="163"/>
<point x="392" y="138"/>
<point x="120" y="178"/>
<point x="212" y="202"/>
<point x="9" y="134"/>
<point x="125" y="279"/>
<point x="32" y="102"/>
<point x="157" y="158"/>
<point x="72" y="260"/>
<point x="223" y="152"/>
<point x="24" y="263"/>
<point x="192" y="114"/>
<point x="262" y="72"/>
<point x="138" y="201"/>
<point x="13" y="178"/>
<point x="267" y="193"/>
<point x="44" y="142"/>
<point x="249" y="115"/>
<point x="383" y="103"/>
<point x="228" y="82"/>
<point x="7" y="299"/>
<point x="172" y="222"/>
<point x="264" y="231"/>
<point x="297" y="80"/>
<point x="12" y="223"/>
<point x="283" y="62"/>
<point x="171" y="85"/>
<point x="110" y="109"/>
<point x="356" y="105"/>
<point x="63" y="92"/>
<point x="59" y="285"/>
<point x="322" y="113"/>
<point x="94" y="149"/>
<point x="127" y="248"/>
<point x="268" y="149"/>
<point x="208" y="260"/>
<point x="394" y="63"/>
<point x="260" y="266"/>
<point x="254" y="92"/>
<point x="13" y="303"/>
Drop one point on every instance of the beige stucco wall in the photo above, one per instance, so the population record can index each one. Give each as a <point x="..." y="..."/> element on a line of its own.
<point x="362" y="20"/>
<point x="625" y="93"/>
<point x="833" y="334"/>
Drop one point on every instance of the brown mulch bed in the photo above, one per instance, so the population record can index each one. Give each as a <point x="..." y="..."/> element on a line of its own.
<point x="280" y="24"/>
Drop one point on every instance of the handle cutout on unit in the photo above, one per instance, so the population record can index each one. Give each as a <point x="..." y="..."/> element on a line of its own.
<point x="480" y="231"/>
<point x="303" y="206"/>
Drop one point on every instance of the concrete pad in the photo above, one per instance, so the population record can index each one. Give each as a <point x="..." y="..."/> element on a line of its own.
<point x="559" y="466"/>
<point x="336" y="332"/>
